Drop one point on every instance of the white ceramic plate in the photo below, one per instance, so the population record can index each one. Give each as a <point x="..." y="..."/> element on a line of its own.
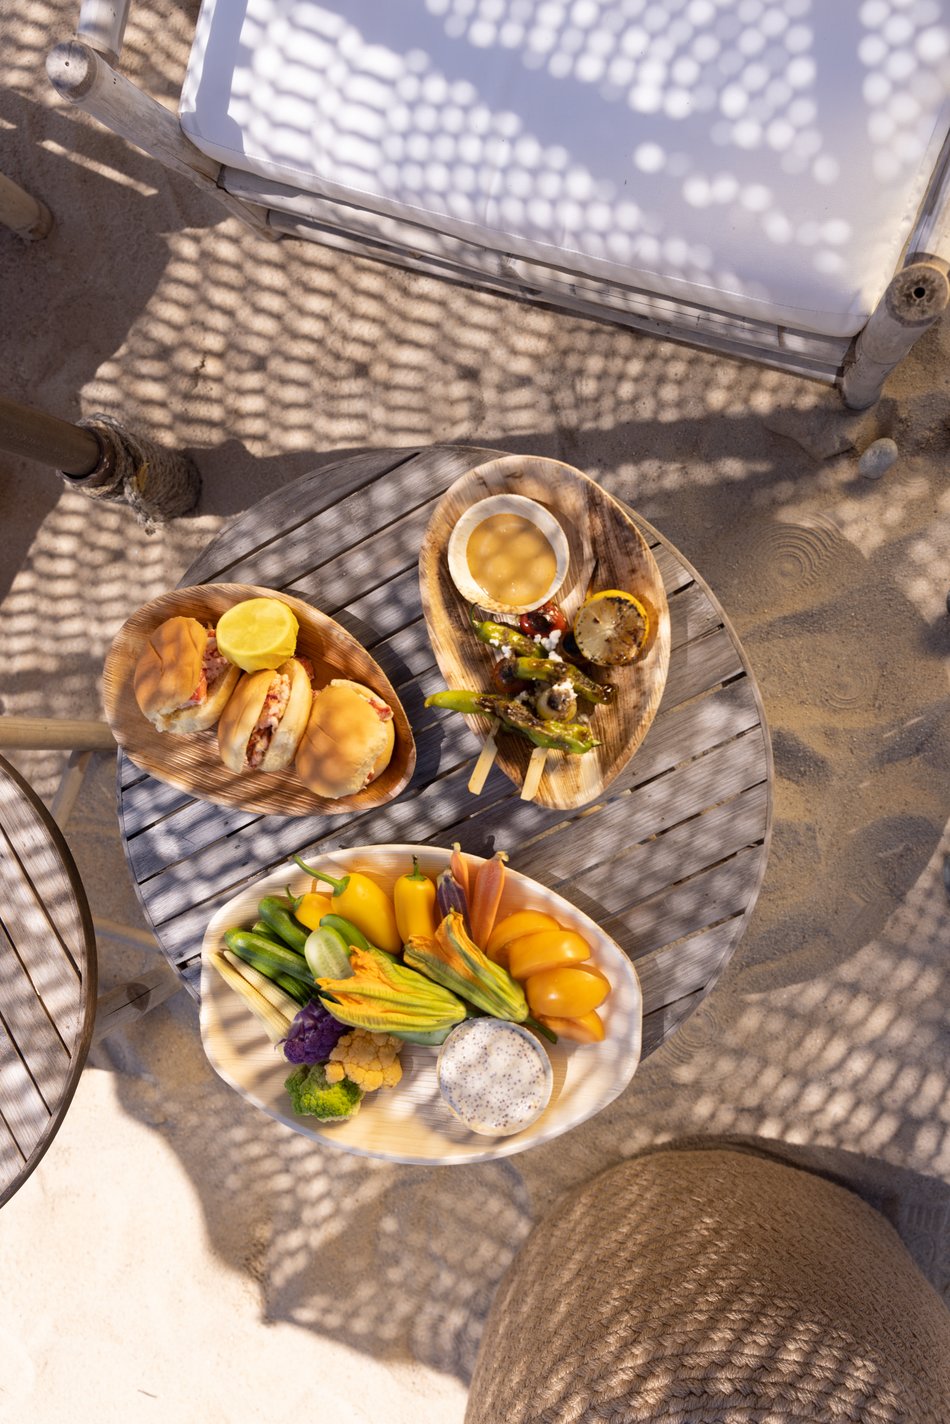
<point x="410" y="1123"/>
<point x="529" y="509"/>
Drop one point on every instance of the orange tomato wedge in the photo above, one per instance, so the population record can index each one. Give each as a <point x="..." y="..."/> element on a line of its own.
<point x="518" y="923"/>
<point x="545" y="949"/>
<point x="567" y="992"/>
<point x="588" y="1028"/>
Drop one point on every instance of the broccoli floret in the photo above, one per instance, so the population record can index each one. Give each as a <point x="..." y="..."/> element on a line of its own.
<point x="313" y="1096"/>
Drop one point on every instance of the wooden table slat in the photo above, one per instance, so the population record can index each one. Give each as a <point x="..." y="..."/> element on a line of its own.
<point x="12" y="1160"/>
<point x="38" y="909"/>
<point x="272" y="520"/>
<point x="40" y="1040"/>
<point x="620" y="885"/>
<point x="47" y="978"/>
<point x="688" y="791"/>
<point x="673" y="914"/>
<point x="399" y="506"/>
<point x="658" y="1026"/>
<point x="668" y="974"/>
<point x="702" y="664"/>
<point x="24" y="1109"/>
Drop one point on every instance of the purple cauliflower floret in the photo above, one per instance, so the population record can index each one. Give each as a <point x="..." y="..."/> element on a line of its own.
<point x="313" y="1034"/>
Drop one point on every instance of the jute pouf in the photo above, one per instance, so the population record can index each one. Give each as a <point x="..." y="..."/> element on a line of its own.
<point x="712" y="1286"/>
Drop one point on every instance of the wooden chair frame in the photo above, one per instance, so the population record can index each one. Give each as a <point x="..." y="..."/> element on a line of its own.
<point x="82" y="71"/>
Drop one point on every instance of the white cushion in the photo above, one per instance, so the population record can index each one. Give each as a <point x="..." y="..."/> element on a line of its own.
<point x="765" y="157"/>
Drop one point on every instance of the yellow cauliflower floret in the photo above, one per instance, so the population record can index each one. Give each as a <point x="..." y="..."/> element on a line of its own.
<point x="371" y="1060"/>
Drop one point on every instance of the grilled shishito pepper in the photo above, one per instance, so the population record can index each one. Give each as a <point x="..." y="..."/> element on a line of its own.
<point x="574" y="737"/>
<point x="384" y="996"/>
<point x="358" y="898"/>
<point x="502" y="635"/>
<point x="546" y="670"/>
<point x="453" y="959"/>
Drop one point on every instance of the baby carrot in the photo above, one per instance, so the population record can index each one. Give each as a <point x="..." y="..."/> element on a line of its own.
<point x="486" y="897"/>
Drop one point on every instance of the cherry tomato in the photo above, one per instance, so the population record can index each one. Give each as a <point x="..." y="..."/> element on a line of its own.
<point x="568" y="992"/>
<point x="503" y="677"/>
<point x="569" y="650"/>
<point x="542" y="621"/>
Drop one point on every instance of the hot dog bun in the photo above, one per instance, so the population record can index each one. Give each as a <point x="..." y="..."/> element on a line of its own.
<point x="274" y="747"/>
<point x="348" y="742"/>
<point x="170" y="682"/>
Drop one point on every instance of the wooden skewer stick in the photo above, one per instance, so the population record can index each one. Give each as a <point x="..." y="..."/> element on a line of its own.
<point x="486" y="758"/>
<point x="532" y="778"/>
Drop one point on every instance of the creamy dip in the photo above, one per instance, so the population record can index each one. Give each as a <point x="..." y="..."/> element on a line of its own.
<point x="511" y="559"/>
<point x="494" y="1076"/>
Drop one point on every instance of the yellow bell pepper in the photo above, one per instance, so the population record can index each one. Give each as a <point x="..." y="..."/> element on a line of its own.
<point x="365" y="904"/>
<point x="414" y="904"/>
<point x="311" y="907"/>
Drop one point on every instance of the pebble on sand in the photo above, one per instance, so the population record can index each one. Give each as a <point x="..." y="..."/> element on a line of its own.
<point x="877" y="458"/>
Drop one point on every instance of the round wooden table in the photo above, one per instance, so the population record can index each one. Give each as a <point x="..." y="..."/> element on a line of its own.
<point x="47" y="979"/>
<point x="670" y="861"/>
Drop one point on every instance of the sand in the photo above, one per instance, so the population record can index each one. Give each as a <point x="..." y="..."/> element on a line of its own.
<point x="179" y="1256"/>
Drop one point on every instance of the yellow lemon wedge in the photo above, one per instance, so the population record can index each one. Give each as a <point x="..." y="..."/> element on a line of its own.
<point x="257" y="633"/>
<point x="611" y="628"/>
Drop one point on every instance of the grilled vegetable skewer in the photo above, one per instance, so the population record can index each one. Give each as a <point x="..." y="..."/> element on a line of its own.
<point x="575" y="737"/>
<point x="548" y="670"/>
<point x="532" y="777"/>
<point x="486" y="758"/>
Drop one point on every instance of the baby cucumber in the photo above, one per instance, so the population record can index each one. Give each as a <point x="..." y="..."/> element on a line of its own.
<point x="346" y="930"/>
<point x="270" y="958"/>
<point x="327" y="954"/>
<point x="276" y="914"/>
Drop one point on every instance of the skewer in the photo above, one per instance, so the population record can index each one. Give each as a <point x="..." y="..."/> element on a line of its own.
<point x="486" y="758"/>
<point x="532" y="778"/>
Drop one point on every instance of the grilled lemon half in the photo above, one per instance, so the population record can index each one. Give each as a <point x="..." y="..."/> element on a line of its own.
<point x="611" y="628"/>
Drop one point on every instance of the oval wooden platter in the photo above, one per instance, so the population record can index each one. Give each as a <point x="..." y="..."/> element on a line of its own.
<point x="607" y="551"/>
<point x="410" y="1123"/>
<point x="192" y="763"/>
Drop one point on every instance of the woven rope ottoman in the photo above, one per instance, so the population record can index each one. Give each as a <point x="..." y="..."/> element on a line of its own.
<point x="712" y="1287"/>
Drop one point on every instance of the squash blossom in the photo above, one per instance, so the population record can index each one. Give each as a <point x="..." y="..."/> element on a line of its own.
<point x="454" y="960"/>
<point x="385" y="997"/>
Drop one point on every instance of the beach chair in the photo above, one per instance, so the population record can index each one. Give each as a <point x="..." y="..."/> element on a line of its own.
<point x="764" y="179"/>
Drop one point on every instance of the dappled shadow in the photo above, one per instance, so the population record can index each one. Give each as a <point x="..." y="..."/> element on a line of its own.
<point x="270" y="360"/>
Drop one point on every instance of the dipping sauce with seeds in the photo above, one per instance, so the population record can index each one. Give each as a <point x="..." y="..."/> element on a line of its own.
<point x="511" y="559"/>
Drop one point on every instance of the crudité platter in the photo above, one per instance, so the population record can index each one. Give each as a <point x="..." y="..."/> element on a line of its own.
<point x="191" y="762"/>
<point x="410" y="1122"/>
<point x="606" y="552"/>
